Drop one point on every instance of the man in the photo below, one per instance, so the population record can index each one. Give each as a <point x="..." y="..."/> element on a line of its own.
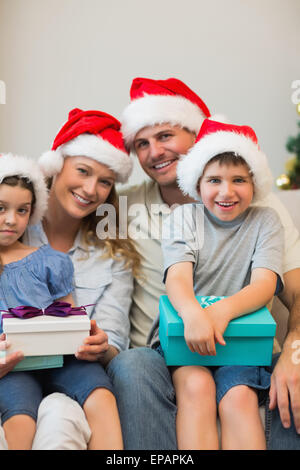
<point x="160" y="123"/>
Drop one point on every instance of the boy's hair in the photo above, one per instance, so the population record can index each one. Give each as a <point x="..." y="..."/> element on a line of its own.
<point x="228" y="158"/>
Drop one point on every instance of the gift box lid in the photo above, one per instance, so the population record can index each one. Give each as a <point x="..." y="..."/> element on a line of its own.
<point x="46" y="323"/>
<point x="258" y="323"/>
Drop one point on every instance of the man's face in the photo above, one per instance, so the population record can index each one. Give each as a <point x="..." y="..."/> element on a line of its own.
<point x="158" y="149"/>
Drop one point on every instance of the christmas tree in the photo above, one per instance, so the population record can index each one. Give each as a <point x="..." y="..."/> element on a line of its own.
<point x="291" y="179"/>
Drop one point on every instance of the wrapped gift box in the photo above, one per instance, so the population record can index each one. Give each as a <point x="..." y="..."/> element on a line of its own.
<point x="36" y="362"/>
<point x="249" y="339"/>
<point x="46" y="335"/>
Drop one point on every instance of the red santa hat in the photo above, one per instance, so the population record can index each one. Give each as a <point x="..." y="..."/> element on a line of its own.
<point x="23" y="167"/>
<point x="215" y="138"/>
<point x="160" y="101"/>
<point x="92" y="134"/>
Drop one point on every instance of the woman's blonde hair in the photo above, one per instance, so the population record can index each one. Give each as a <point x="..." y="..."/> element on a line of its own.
<point x="116" y="248"/>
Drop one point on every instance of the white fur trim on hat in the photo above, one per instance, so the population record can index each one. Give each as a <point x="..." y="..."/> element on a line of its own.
<point x="152" y="110"/>
<point x="14" y="165"/>
<point x="92" y="146"/>
<point x="190" y="167"/>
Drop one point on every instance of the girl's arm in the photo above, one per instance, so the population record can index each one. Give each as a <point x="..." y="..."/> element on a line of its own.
<point x="67" y="298"/>
<point x="198" y="328"/>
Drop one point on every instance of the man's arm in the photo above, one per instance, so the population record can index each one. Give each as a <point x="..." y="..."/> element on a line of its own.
<point x="285" y="380"/>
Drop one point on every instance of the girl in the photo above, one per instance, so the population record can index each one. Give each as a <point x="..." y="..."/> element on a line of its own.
<point x="226" y="249"/>
<point x="86" y="160"/>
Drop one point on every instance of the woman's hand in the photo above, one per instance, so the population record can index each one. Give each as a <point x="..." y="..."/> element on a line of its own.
<point x="9" y="361"/>
<point x="95" y="346"/>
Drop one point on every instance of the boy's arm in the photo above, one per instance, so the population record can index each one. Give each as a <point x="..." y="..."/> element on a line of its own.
<point x="198" y="328"/>
<point x="252" y="297"/>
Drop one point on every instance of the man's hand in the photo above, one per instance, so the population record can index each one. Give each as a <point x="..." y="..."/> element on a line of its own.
<point x="285" y="384"/>
<point x="285" y="380"/>
<point x="95" y="346"/>
<point x="9" y="361"/>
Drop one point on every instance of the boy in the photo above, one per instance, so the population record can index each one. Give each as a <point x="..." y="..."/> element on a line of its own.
<point x="241" y="258"/>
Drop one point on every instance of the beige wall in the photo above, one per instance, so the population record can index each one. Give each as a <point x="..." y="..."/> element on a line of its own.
<point x="241" y="56"/>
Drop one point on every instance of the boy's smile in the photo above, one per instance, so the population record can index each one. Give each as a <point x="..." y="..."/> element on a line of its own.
<point x="226" y="190"/>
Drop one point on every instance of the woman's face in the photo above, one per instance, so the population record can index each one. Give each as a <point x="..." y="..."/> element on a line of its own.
<point x="82" y="185"/>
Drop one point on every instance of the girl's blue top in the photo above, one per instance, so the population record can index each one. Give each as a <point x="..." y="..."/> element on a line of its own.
<point x="36" y="280"/>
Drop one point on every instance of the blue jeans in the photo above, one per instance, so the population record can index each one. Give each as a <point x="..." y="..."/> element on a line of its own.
<point x="22" y="392"/>
<point x="279" y="438"/>
<point x="146" y="399"/>
<point x="147" y="407"/>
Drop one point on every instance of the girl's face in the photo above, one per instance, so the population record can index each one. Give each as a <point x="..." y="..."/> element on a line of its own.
<point x="226" y="190"/>
<point x="15" y="210"/>
<point x="82" y="185"/>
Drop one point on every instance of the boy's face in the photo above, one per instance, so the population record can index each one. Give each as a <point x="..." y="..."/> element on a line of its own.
<point x="226" y="190"/>
<point x="158" y="149"/>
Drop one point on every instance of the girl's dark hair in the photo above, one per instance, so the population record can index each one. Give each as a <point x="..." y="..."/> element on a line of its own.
<point x="17" y="180"/>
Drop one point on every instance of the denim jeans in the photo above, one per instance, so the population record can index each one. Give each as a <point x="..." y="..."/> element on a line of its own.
<point x="147" y="407"/>
<point x="146" y="399"/>
<point x="278" y="437"/>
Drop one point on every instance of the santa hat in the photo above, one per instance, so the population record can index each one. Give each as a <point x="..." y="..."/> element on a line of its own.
<point x="215" y="138"/>
<point x="92" y="134"/>
<point x="158" y="101"/>
<point x="13" y="165"/>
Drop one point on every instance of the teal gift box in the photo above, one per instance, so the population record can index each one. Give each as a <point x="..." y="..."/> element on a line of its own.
<point x="35" y="362"/>
<point x="249" y="339"/>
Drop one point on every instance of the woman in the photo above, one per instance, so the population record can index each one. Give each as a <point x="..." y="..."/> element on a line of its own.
<point x="87" y="159"/>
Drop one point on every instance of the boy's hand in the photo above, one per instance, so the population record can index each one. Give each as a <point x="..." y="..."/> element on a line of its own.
<point x="199" y="333"/>
<point x="220" y="320"/>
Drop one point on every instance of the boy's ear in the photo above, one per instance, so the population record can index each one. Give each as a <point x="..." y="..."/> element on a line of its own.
<point x="198" y="187"/>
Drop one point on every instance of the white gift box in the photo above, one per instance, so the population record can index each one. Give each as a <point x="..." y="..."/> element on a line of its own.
<point x="46" y="334"/>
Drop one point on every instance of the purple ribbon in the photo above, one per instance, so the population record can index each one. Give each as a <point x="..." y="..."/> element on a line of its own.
<point x="57" y="309"/>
